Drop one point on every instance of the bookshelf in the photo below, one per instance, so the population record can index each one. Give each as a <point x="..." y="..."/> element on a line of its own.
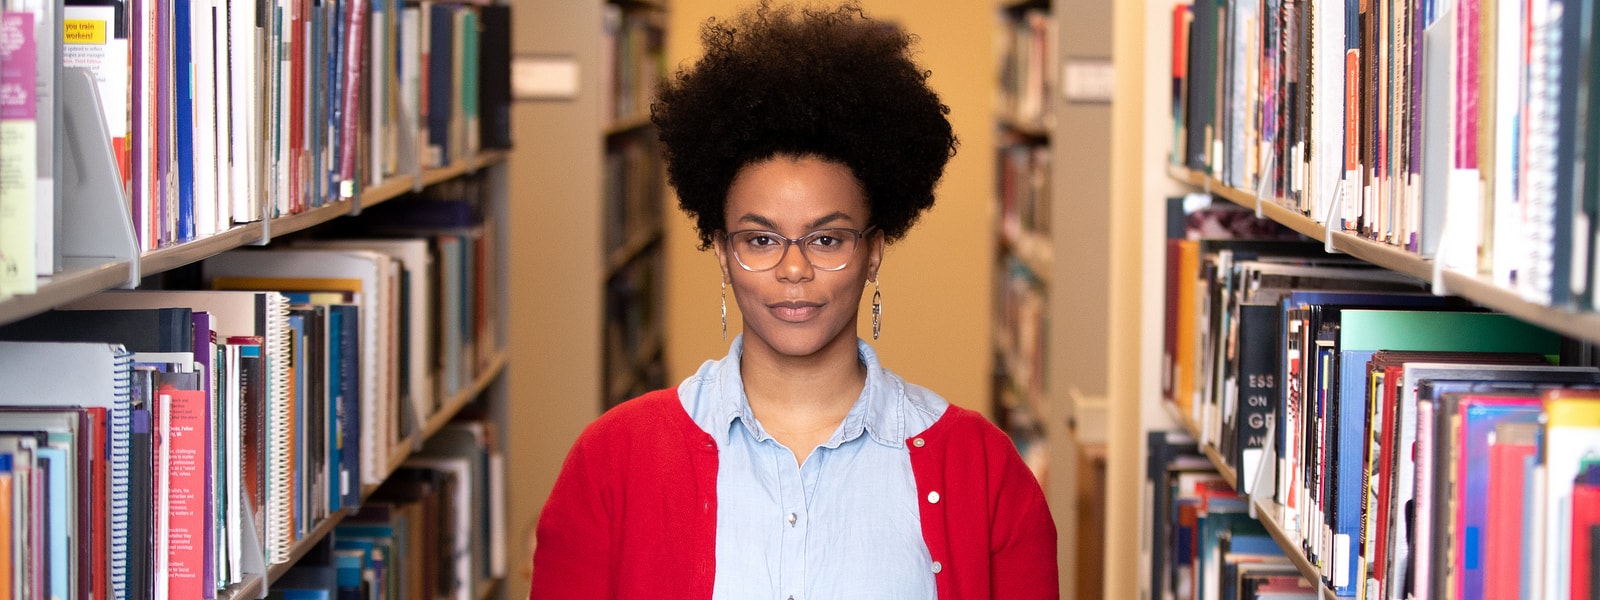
<point x="1025" y="120"/>
<point x="633" y="46"/>
<point x="1146" y="173"/>
<point x="379" y="118"/>
<point x="1049" y="214"/>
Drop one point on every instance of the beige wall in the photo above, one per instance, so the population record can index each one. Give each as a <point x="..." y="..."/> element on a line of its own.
<point x="936" y="281"/>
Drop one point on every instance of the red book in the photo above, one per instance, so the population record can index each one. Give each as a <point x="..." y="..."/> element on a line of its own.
<point x="356" y="25"/>
<point x="99" y="494"/>
<point x="1585" y="514"/>
<point x="1511" y="447"/>
<point x="185" y="444"/>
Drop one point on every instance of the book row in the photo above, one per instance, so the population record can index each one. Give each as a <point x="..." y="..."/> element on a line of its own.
<point x="1456" y="130"/>
<point x="1023" y="187"/>
<point x="244" y="414"/>
<point x="223" y="112"/>
<point x="634" y="178"/>
<point x="1363" y="411"/>
<point x="634" y="57"/>
<point x="1205" y="545"/>
<point x="433" y="530"/>
<point x="1027" y="67"/>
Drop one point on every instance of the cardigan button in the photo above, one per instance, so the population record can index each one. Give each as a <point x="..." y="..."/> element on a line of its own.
<point x="933" y="497"/>
<point x="918" y="442"/>
<point x="937" y="568"/>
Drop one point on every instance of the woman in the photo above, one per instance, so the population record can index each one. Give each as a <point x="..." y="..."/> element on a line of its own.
<point x="796" y="467"/>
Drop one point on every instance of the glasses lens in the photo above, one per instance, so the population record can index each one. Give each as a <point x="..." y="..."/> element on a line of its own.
<point x="830" y="249"/>
<point x="758" y="250"/>
<point x="827" y="249"/>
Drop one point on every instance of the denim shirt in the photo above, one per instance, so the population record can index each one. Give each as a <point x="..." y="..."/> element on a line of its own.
<point x="843" y="525"/>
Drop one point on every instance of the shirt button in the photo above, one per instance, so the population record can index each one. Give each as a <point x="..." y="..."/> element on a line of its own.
<point x="937" y="567"/>
<point x="933" y="497"/>
<point x="918" y="442"/>
<point x="792" y="518"/>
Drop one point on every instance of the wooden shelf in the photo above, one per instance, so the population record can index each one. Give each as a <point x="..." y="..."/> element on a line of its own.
<point x="86" y="276"/>
<point x="627" y="125"/>
<point x="1018" y="5"/>
<point x="1479" y="289"/>
<point x="1038" y="133"/>
<point x="81" y="278"/>
<point x="632" y="248"/>
<point x="1034" y="251"/>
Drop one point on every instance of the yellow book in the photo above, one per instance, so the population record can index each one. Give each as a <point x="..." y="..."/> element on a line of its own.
<point x="334" y="286"/>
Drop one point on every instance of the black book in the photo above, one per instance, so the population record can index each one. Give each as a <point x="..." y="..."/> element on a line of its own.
<point x="138" y="329"/>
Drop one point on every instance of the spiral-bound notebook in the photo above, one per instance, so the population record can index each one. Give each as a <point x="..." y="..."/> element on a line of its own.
<point x="244" y="313"/>
<point x="84" y="374"/>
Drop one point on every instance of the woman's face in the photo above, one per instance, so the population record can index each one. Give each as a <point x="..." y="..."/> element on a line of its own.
<point x="794" y="308"/>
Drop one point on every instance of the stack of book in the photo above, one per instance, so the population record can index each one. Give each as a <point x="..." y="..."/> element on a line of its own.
<point x="1401" y="443"/>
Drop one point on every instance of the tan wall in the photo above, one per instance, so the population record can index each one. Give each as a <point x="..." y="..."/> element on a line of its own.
<point x="936" y="281"/>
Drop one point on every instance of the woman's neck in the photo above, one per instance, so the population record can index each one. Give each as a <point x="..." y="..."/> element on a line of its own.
<point x="801" y="400"/>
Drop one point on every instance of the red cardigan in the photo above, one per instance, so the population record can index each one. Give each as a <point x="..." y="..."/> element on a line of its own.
<point x="634" y="511"/>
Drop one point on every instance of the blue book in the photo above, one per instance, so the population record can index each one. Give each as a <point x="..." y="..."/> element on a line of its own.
<point x="53" y="464"/>
<point x="183" y="114"/>
<point x="441" y="61"/>
<point x="346" y="369"/>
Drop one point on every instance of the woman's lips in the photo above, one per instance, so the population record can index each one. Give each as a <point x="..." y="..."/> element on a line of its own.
<point x="795" y="312"/>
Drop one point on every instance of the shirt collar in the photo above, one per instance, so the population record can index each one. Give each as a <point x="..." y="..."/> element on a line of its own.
<point x="879" y="412"/>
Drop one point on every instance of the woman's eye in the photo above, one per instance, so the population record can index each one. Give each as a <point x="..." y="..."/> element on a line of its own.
<point x="825" y="241"/>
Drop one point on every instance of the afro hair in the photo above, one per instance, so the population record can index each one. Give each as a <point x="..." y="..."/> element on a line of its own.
<point x="826" y="83"/>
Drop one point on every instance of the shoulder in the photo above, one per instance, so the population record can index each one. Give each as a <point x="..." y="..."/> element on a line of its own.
<point x="967" y="428"/>
<point x="645" y="418"/>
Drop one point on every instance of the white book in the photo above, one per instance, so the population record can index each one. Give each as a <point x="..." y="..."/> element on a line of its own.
<point x="223" y="133"/>
<point x="1327" y="113"/>
<point x="408" y="134"/>
<point x="244" y="61"/>
<point x="203" y="94"/>
<point x="380" y="71"/>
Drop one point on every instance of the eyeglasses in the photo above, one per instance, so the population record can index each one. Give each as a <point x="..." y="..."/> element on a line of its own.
<point x="825" y="249"/>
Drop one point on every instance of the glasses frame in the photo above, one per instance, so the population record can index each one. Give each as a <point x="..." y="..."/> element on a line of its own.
<point x="727" y="237"/>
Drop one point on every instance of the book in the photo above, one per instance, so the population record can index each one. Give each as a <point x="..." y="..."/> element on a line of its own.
<point x="1462" y="427"/>
<point x="1572" y="433"/>
<point x="1360" y="334"/>
<point x="1585" y="517"/>
<point x="168" y="329"/>
<point x="90" y="375"/>
<point x="258" y="314"/>
<point x="1417" y="385"/>
<point x="1510" y="449"/>
<point x="18" y="156"/>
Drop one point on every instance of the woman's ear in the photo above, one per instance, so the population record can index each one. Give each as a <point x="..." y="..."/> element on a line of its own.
<point x="875" y="248"/>
<point x="719" y="245"/>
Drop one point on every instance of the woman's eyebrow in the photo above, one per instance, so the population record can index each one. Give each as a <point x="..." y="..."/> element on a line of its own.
<point x="767" y="223"/>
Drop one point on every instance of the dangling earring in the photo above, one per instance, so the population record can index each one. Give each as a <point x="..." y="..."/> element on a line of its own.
<point x="724" y="311"/>
<point x="877" y="310"/>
